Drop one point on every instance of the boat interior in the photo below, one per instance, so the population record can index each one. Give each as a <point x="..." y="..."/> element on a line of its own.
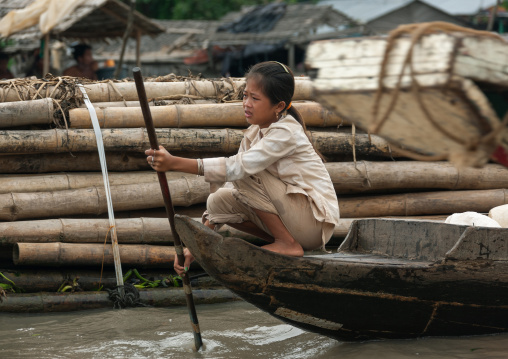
<point x="392" y="240"/>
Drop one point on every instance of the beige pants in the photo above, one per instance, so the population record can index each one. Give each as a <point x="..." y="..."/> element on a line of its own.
<point x="266" y="193"/>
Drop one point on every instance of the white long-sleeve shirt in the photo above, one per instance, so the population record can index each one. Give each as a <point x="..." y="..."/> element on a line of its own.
<point x="286" y="152"/>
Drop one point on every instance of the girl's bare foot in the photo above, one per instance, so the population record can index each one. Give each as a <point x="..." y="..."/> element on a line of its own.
<point x="283" y="247"/>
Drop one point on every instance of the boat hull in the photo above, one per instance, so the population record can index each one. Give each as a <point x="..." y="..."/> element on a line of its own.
<point x="358" y="298"/>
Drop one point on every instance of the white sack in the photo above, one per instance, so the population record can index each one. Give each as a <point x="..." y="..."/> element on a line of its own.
<point x="473" y="219"/>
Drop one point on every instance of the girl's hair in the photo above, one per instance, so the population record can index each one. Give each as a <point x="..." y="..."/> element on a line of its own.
<point x="278" y="84"/>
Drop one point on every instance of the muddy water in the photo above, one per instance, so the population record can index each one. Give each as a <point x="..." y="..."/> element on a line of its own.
<point x="233" y="330"/>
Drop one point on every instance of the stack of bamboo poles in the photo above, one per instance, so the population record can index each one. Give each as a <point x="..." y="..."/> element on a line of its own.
<point x="52" y="198"/>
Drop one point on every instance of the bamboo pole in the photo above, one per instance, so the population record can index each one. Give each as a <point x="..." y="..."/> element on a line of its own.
<point x="63" y="181"/>
<point x="154" y="102"/>
<point x="185" y="116"/>
<point x="72" y="140"/>
<point x="335" y="143"/>
<point x="347" y="177"/>
<point x="119" y="91"/>
<point x="65" y="302"/>
<point x="188" y="191"/>
<point x="225" y="141"/>
<point x="51" y="279"/>
<point x="92" y="201"/>
<point x="24" y="113"/>
<point x="143" y="230"/>
<point x="426" y="203"/>
<point x="67" y="230"/>
<point x="91" y="254"/>
<point x="71" y="161"/>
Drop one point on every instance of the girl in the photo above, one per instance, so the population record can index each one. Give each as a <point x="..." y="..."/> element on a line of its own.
<point x="277" y="187"/>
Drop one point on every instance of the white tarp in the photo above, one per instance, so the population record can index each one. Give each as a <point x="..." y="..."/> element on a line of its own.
<point x="46" y="13"/>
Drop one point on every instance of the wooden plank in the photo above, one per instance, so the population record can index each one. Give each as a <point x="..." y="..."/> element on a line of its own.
<point x="487" y="50"/>
<point x="408" y="126"/>
<point x="372" y="84"/>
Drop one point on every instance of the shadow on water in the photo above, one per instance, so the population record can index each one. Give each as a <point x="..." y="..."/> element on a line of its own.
<point x="232" y="330"/>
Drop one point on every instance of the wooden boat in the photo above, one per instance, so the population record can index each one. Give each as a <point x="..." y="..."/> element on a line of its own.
<point x="433" y="89"/>
<point x="389" y="279"/>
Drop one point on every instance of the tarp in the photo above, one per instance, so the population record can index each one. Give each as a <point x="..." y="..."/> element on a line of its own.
<point x="46" y="13"/>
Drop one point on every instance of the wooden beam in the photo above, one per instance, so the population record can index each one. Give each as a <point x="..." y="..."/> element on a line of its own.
<point x="175" y="30"/>
<point x="119" y="17"/>
<point x="45" y="65"/>
<point x="138" y="48"/>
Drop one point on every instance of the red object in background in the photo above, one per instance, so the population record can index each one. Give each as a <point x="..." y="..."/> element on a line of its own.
<point x="500" y="156"/>
<point x="199" y="57"/>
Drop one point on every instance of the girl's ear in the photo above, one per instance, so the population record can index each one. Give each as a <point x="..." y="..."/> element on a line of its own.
<point x="280" y="106"/>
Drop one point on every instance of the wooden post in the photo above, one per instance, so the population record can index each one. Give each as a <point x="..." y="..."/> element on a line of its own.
<point x="130" y="20"/>
<point x="138" y="48"/>
<point x="493" y="15"/>
<point x="45" y="67"/>
<point x="209" y="51"/>
<point x="291" y="56"/>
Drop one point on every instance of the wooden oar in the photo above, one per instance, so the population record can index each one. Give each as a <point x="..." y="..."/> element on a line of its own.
<point x="140" y="87"/>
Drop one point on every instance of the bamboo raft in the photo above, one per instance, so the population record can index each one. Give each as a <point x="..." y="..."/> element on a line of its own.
<point x="53" y="211"/>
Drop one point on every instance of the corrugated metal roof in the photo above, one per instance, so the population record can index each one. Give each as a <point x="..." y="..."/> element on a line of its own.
<point x="92" y="19"/>
<point x="461" y="7"/>
<point x="175" y="30"/>
<point x="298" y="21"/>
<point x="368" y="10"/>
<point x="365" y="10"/>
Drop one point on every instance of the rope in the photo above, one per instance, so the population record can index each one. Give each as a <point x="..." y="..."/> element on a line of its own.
<point x="353" y="133"/>
<point x="66" y="88"/>
<point x="103" y="254"/>
<point x="129" y="299"/>
<point x="56" y="87"/>
<point x="63" y="114"/>
<point x="17" y="91"/>
<point x="112" y="84"/>
<point x="38" y="91"/>
<point x="417" y="31"/>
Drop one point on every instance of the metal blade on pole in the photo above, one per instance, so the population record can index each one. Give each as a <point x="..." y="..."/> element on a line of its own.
<point x="111" y="215"/>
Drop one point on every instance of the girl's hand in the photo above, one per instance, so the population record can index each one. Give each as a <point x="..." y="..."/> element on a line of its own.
<point x="160" y="160"/>
<point x="189" y="258"/>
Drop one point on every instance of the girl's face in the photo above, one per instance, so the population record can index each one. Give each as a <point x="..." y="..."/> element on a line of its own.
<point x="257" y="106"/>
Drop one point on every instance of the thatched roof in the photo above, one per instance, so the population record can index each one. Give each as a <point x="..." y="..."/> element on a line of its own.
<point x="298" y="25"/>
<point x="93" y="19"/>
